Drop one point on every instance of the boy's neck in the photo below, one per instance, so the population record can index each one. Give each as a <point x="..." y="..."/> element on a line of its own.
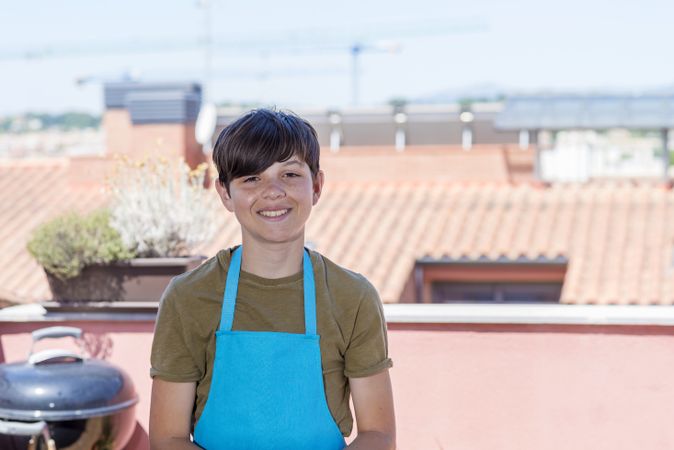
<point x="273" y="261"/>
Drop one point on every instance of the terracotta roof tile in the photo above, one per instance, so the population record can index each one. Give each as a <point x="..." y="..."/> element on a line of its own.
<point x="33" y="191"/>
<point x="617" y="236"/>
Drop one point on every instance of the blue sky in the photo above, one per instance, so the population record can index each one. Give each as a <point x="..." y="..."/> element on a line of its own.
<point x="296" y="53"/>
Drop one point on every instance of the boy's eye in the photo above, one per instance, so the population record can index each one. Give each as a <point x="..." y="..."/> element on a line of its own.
<point x="293" y="175"/>
<point x="250" y="179"/>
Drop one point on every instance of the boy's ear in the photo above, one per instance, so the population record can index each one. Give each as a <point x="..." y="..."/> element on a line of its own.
<point x="224" y="195"/>
<point x="318" y="181"/>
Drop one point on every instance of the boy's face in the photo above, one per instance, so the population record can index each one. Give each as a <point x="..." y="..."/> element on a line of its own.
<point x="273" y="206"/>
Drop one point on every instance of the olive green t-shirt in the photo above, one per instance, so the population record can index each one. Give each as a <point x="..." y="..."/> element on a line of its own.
<point x="349" y="318"/>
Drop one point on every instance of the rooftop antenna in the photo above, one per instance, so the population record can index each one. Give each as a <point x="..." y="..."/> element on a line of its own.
<point x="207" y="118"/>
<point x="205" y="126"/>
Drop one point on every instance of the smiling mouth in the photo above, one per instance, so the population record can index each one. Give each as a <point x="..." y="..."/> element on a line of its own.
<point x="275" y="213"/>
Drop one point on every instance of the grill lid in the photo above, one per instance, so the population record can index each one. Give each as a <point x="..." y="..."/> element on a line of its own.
<point x="60" y="385"/>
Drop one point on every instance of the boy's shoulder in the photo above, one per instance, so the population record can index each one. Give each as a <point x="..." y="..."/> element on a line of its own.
<point x="341" y="281"/>
<point x="208" y="275"/>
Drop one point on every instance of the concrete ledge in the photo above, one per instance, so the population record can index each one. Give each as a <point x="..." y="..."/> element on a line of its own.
<point x="80" y="317"/>
<point x="409" y="313"/>
<point x="530" y="314"/>
<point x="136" y="312"/>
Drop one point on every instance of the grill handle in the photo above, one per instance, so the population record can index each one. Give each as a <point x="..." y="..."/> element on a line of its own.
<point x="47" y="356"/>
<point x="53" y="332"/>
<point x="56" y="332"/>
<point x="22" y="428"/>
<point x="33" y="429"/>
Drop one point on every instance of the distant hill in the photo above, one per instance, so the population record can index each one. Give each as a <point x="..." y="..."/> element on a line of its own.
<point x="492" y="92"/>
<point x="31" y="122"/>
<point x="479" y="92"/>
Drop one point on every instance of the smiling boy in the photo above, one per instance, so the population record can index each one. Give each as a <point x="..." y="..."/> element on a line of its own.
<point x="262" y="345"/>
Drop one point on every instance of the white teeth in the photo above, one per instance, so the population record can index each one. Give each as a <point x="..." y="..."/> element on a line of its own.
<point x="280" y="212"/>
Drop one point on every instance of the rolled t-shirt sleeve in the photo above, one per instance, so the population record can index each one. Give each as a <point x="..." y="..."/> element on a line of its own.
<point x="171" y="359"/>
<point x="367" y="352"/>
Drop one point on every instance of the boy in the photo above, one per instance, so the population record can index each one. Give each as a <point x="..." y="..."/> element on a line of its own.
<point x="260" y="346"/>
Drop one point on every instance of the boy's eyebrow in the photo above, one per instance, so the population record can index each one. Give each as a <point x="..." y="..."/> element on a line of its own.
<point x="292" y="161"/>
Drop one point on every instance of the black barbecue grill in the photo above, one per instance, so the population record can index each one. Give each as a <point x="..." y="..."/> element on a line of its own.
<point x="59" y="399"/>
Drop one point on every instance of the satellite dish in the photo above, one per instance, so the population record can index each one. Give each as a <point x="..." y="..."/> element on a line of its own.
<point x="205" y="126"/>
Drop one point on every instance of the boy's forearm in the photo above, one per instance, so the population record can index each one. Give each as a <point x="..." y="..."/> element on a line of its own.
<point x="373" y="440"/>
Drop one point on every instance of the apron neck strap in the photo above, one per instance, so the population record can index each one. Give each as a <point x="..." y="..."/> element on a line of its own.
<point x="309" y="295"/>
<point x="232" y="287"/>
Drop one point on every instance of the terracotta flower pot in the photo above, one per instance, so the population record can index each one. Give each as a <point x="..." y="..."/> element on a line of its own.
<point x="137" y="280"/>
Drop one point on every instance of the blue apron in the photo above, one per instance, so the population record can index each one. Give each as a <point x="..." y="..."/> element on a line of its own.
<point x="267" y="387"/>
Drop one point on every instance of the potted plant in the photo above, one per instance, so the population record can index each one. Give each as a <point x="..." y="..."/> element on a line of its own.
<point x="72" y="247"/>
<point x="159" y="213"/>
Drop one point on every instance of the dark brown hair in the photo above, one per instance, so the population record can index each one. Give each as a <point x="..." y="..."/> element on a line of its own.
<point x="261" y="137"/>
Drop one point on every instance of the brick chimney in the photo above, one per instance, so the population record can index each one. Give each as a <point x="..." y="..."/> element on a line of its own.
<point x="143" y="119"/>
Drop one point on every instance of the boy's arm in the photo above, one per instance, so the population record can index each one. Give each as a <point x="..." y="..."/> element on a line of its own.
<point x="171" y="415"/>
<point x="373" y="401"/>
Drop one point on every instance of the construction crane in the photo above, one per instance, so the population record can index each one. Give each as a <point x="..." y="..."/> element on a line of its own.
<point x="368" y="41"/>
<point x="356" y="50"/>
<point x="127" y="75"/>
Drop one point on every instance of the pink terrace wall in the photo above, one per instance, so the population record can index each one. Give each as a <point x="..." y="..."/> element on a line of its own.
<point x="479" y="387"/>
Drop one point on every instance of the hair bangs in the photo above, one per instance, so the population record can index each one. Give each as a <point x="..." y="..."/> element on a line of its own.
<point x="261" y="138"/>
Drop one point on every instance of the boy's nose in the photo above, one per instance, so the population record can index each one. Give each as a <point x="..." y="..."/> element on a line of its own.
<point x="274" y="191"/>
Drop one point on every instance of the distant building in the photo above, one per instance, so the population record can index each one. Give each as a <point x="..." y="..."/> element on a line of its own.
<point x="401" y="126"/>
<point x="583" y="156"/>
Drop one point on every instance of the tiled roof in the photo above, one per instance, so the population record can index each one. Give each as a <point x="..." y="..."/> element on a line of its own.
<point x="31" y="192"/>
<point x="617" y="236"/>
